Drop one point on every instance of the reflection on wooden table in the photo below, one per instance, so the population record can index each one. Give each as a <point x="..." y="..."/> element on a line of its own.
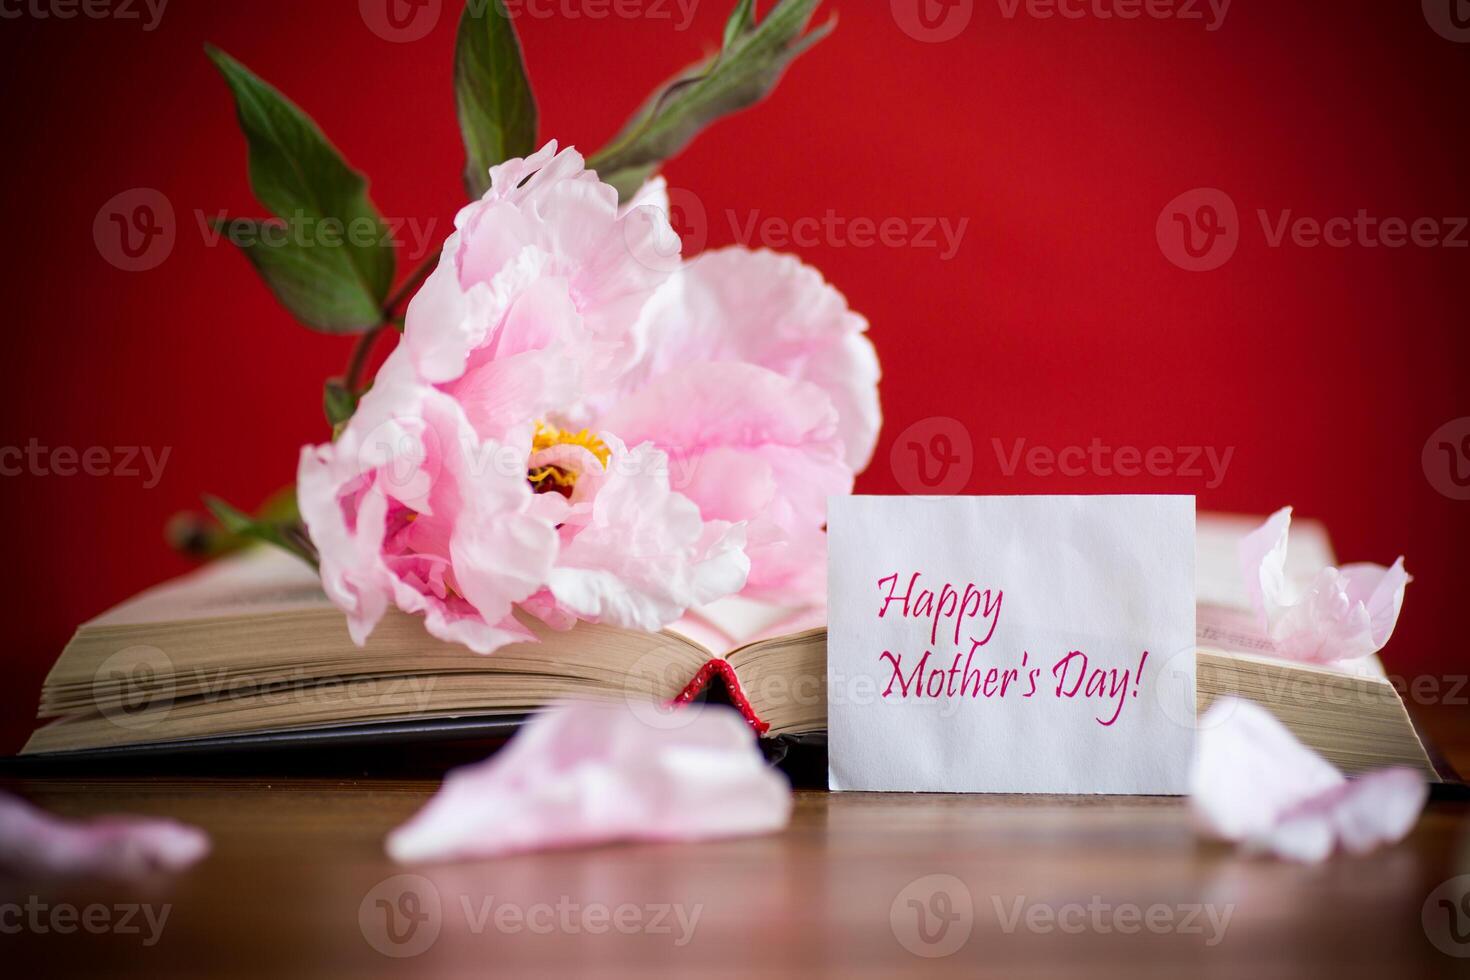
<point x="868" y="884"/>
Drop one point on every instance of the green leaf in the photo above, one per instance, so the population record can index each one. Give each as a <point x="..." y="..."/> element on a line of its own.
<point x="497" y="112"/>
<point x="234" y="520"/>
<point x="279" y="525"/>
<point x="745" y="71"/>
<point x="333" y="233"/>
<point x="316" y="282"/>
<point x="280" y="507"/>
<point x="742" y="19"/>
<point x="200" y="536"/>
<point x="338" y="402"/>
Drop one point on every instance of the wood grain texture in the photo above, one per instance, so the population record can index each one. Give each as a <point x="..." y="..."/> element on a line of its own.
<point x="296" y="861"/>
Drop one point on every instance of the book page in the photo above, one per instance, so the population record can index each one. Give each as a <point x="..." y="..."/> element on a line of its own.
<point x="735" y="621"/>
<point x="257" y="581"/>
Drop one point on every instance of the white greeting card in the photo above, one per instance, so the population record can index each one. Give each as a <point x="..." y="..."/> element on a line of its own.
<point x="1011" y="644"/>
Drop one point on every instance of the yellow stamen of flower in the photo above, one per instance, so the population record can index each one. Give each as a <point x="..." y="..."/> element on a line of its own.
<point x="549" y="435"/>
<point x="555" y="478"/>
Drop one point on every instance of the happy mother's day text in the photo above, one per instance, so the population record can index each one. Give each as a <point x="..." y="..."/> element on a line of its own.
<point x="970" y="616"/>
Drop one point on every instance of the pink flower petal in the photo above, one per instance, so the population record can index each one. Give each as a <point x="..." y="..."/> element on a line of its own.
<point x="545" y="262"/>
<point x="653" y="194"/>
<point x="33" y="842"/>
<point x="1345" y="614"/>
<point x="1253" y="783"/>
<point x="759" y="307"/>
<point x="1249" y="770"/>
<point x="589" y="773"/>
<point x="1378" y="808"/>
<point x="747" y="444"/>
<point x="643" y="554"/>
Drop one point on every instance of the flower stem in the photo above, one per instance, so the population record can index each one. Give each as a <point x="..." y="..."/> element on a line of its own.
<point x="357" y="364"/>
<point x="410" y="285"/>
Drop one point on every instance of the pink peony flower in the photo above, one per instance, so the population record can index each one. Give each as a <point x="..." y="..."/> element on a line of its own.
<point x="663" y="434"/>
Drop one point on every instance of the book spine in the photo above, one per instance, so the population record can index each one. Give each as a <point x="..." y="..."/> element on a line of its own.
<point x="726" y="673"/>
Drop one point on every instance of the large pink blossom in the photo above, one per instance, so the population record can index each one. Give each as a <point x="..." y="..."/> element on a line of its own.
<point x="663" y="433"/>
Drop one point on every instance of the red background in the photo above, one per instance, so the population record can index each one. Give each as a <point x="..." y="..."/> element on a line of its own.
<point x="1059" y="320"/>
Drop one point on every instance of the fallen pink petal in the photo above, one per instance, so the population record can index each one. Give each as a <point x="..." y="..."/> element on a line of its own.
<point x="587" y="773"/>
<point x="1254" y="784"/>
<point x="1345" y="613"/>
<point x="33" y="842"/>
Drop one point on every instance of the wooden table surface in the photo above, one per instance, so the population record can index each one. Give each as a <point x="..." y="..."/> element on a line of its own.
<point x="858" y="884"/>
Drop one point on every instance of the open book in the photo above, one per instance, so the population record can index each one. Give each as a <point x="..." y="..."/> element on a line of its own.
<point x="250" y="647"/>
